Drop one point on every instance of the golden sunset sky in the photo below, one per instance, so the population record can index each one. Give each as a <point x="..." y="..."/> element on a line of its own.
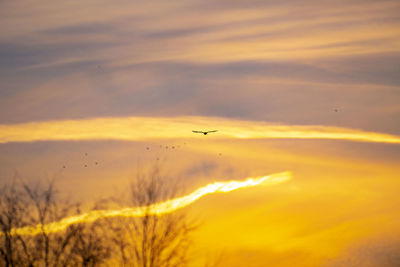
<point x="309" y="87"/>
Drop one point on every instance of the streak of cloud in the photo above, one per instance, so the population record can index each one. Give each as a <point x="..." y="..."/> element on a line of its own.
<point x="144" y="128"/>
<point x="158" y="208"/>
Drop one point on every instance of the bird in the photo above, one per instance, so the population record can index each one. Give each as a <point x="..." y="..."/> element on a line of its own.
<point x="85" y="166"/>
<point x="205" y="132"/>
<point x="336" y="110"/>
<point x="96" y="163"/>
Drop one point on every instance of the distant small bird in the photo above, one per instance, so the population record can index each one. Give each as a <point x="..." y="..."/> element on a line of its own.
<point x="96" y="163"/>
<point x="85" y="154"/>
<point x="85" y="165"/>
<point x="205" y="132"/>
<point x="147" y="148"/>
<point x="173" y="147"/>
<point x="336" y="110"/>
<point x="64" y="166"/>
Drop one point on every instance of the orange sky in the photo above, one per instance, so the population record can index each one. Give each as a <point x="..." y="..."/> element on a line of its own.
<point x="310" y="87"/>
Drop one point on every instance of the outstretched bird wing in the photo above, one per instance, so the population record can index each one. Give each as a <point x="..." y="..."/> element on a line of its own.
<point x="212" y="131"/>
<point x="197" y="131"/>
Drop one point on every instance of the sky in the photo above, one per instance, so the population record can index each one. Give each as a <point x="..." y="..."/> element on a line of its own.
<point x="310" y="87"/>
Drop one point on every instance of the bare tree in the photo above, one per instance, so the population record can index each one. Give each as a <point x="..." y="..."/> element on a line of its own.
<point x="151" y="240"/>
<point x="90" y="247"/>
<point x="78" y="245"/>
<point x="48" y="249"/>
<point x="12" y="210"/>
<point x="146" y="241"/>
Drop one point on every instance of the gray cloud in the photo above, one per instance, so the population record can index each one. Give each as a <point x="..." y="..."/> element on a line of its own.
<point x="273" y="91"/>
<point x="82" y="29"/>
<point x="120" y="63"/>
<point x="205" y="168"/>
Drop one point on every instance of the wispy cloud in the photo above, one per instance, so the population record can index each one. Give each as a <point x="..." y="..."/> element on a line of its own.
<point x="144" y="128"/>
<point x="157" y="209"/>
<point x="156" y="58"/>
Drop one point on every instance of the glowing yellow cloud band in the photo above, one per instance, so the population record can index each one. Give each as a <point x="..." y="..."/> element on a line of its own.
<point x="158" y="208"/>
<point x="142" y="128"/>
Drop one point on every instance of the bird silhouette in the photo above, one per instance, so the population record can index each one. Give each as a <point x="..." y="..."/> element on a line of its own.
<point x="205" y="132"/>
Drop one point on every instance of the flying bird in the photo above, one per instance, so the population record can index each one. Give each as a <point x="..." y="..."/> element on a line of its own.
<point x="205" y="132"/>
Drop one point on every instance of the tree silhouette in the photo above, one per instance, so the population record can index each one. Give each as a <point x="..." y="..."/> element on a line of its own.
<point x="24" y="205"/>
<point x="147" y="241"/>
<point x="12" y="210"/>
<point x="151" y="240"/>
